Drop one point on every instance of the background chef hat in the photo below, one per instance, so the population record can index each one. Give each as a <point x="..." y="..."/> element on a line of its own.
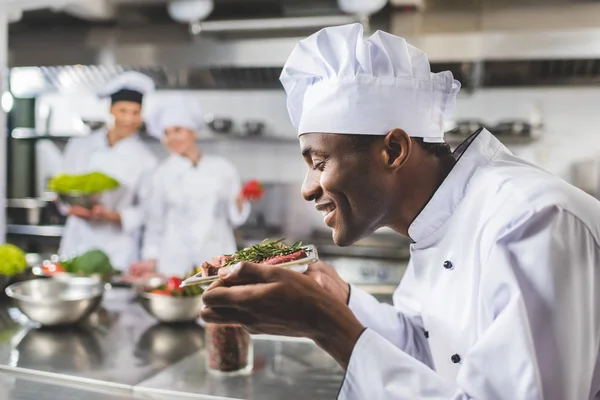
<point x="129" y="86"/>
<point x="338" y="82"/>
<point x="175" y="110"/>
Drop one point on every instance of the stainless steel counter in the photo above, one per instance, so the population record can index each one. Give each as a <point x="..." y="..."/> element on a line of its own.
<point x="121" y="352"/>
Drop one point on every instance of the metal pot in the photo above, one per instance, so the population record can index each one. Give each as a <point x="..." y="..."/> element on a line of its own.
<point x="219" y="125"/>
<point x="253" y="128"/>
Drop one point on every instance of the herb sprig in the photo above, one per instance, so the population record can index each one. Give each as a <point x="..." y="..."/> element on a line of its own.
<point x="266" y="249"/>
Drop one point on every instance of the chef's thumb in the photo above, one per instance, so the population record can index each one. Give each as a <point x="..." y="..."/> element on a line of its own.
<point x="244" y="272"/>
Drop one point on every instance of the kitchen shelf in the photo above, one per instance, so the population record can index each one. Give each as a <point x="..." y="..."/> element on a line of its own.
<point x="32" y="134"/>
<point x="35" y="230"/>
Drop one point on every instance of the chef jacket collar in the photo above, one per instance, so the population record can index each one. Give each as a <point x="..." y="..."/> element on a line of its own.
<point x="473" y="153"/>
<point x="101" y="139"/>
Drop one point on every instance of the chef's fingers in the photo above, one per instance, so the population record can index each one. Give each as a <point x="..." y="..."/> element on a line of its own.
<point x="240" y="297"/>
<point x="245" y="272"/>
<point x="226" y="316"/>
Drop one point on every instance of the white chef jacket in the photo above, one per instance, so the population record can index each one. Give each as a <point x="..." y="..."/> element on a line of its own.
<point x="131" y="163"/>
<point x="192" y="213"/>
<point x="501" y="299"/>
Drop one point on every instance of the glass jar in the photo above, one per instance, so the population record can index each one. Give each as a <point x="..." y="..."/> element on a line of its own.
<point x="229" y="349"/>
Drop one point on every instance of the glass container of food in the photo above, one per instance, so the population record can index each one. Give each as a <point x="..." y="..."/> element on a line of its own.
<point x="229" y="349"/>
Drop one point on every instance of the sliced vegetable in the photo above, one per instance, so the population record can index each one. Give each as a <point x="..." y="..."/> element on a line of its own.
<point x="162" y="292"/>
<point x="173" y="284"/>
<point x="50" y="268"/>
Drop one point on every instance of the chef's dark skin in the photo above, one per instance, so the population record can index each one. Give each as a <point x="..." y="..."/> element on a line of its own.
<point x="386" y="184"/>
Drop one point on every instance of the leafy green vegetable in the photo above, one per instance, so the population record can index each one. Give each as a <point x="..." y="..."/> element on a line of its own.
<point x="90" y="263"/>
<point x="266" y="249"/>
<point x="94" y="182"/>
<point x="12" y="260"/>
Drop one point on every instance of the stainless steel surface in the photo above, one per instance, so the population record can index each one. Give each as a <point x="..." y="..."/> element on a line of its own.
<point x="48" y="231"/>
<point x="171" y="309"/>
<point x="265" y="24"/>
<point x="119" y="345"/>
<point x="23" y="387"/>
<point x="121" y="351"/>
<point x="52" y="302"/>
<point x="283" y="369"/>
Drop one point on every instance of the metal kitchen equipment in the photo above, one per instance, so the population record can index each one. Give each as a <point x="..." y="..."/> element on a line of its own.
<point x="169" y="309"/>
<point x="297" y="265"/>
<point x="53" y="302"/>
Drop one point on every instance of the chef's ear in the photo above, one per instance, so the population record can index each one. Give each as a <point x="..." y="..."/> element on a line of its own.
<point x="397" y="147"/>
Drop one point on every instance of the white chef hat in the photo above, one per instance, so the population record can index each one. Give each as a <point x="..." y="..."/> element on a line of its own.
<point x="175" y="110"/>
<point x="129" y="86"/>
<point x="338" y="82"/>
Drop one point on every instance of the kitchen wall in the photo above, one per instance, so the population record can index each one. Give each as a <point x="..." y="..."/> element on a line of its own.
<point x="571" y="117"/>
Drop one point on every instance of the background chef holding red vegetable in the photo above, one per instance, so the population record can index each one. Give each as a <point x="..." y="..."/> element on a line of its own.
<point x="197" y="199"/>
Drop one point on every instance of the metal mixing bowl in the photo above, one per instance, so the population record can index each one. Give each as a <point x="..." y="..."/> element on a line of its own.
<point x="52" y="302"/>
<point x="171" y="309"/>
<point x="77" y="199"/>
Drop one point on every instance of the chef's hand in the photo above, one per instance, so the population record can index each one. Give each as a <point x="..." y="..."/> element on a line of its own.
<point x="272" y="300"/>
<point x="80" y="212"/>
<point x="101" y="213"/>
<point x="326" y="276"/>
<point x="142" y="268"/>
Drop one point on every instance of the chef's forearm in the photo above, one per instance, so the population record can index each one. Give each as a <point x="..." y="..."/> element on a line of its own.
<point x="338" y="332"/>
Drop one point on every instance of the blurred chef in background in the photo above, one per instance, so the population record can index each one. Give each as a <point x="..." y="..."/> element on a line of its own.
<point x="114" y="225"/>
<point x="196" y="200"/>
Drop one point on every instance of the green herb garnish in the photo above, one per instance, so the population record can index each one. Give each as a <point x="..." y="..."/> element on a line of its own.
<point x="266" y="249"/>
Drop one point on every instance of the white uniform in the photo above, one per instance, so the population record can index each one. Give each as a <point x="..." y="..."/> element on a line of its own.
<point x="192" y="213"/>
<point x="501" y="299"/>
<point x="131" y="163"/>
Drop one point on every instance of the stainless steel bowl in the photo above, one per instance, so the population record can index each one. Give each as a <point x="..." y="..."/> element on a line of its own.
<point x="78" y="199"/>
<point x="171" y="309"/>
<point x="52" y="302"/>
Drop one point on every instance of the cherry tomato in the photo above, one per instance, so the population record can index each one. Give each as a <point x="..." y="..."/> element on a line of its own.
<point x="173" y="284"/>
<point x="50" y="268"/>
<point x="162" y="292"/>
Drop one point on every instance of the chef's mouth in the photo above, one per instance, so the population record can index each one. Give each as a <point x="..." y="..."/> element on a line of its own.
<point x="328" y="212"/>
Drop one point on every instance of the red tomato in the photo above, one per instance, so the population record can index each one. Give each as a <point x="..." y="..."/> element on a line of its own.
<point x="162" y="292"/>
<point x="52" y="268"/>
<point x="173" y="284"/>
<point x="253" y="190"/>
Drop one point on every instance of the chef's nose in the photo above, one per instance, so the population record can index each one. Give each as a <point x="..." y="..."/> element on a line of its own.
<point x="311" y="188"/>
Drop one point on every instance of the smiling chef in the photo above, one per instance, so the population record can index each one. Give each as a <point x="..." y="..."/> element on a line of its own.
<point x="501" y="297"/>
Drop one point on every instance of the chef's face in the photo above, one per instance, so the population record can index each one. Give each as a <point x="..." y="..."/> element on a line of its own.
<point x="351" y="188"/>
<point x="128" y="117"/>
<point x="179" y="140"/>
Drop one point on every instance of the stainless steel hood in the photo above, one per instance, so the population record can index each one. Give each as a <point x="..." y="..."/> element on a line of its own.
<point x="489" y="46"/>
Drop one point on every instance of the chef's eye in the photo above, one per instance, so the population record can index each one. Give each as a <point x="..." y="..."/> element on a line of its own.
<point x="319" y="166"/>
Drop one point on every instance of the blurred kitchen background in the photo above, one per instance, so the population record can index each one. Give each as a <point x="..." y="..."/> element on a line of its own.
<point x="530" y="72"/>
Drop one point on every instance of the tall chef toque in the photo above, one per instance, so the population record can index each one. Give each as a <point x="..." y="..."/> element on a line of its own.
<point x="129" y="86"/>
<point x="175" y="110"/>
<point x="338" y="82"/>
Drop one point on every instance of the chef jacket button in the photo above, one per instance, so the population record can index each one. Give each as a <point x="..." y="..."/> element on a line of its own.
<point x="426" y="333"/>
<point x="455" y="358"/>
<point x="448" y="265"/>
